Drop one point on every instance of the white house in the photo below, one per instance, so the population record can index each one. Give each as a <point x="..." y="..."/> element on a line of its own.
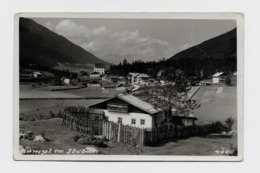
<point x="94" y="74"/>
<point x="131" y="110"/>
<point x="218" y="78"/>
<point x="100" y="68"/>
<point x="94" y="83"/>
<point x="36" y="74"/>
<point x="138" y="77"/>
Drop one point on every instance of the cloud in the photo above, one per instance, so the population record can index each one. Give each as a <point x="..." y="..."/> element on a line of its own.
<point x="107" y="44"/>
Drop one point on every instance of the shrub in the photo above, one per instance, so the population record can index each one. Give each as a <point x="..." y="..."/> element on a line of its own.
<point x="229" y="123"/>
<point x="59" y="114"/>
<point x="51" y="114"/>
<point x="76" y="138"/>
<point x="218" y="127"/>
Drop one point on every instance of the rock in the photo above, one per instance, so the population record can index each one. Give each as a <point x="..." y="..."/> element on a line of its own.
<point x="22" y="136"/>
<point x="39" y="138"/>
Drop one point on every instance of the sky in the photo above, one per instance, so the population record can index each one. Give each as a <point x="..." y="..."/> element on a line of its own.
<point x="136" y="39"/>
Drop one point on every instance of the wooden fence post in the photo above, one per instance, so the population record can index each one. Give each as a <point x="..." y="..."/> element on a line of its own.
<point x="119" y="133"/>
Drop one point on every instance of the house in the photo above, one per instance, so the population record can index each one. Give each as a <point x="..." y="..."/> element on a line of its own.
<point x="109" y="86"/>
<point x="205" y="82"/>
<point x="159" y="74"/>
<point x="36" y="74"/>
<point x="133" y="111"/>
<point x="132" y="77"/>
<point x="140" y="78"/>
<point x="218" y="78"/>
<point x="100" y="68"/>
<point x="95" y="74"/>
<point x="94" y="83"/>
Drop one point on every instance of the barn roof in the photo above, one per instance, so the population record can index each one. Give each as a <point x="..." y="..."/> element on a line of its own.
<point x="136" y="102"/>
<point x="218" y="74"/>
<point x="145" y="106"/>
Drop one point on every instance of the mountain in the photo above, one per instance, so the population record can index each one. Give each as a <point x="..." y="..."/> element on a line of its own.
<point x="42" y="47"/>
<point x="216" y="54"/>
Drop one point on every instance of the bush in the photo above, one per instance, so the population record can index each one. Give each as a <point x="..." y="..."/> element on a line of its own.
<point x="218" y="127"/>
<point x="51" y="114"/>
<point x="59" y="114"/>
<point x="229" y="123"/>
<point x="89" y="140"/>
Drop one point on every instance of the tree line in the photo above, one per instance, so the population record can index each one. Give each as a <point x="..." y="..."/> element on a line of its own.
<point x="200" y="68"/>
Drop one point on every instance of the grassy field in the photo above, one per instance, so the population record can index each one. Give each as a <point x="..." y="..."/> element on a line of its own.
<point x="45" y="106"/>
<point x="26" y="91"/>
<point x="62" y="138"/>
<point x="218" y="102"/>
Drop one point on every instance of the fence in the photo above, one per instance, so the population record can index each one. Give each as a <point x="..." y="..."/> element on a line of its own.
<point x="167" y="132"/>
<point x="93" y="122"/>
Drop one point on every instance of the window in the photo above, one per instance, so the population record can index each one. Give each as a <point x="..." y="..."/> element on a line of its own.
<point x="142" y="121"/>
<point x="119" y="120"/>
<point x="133" y="121"/>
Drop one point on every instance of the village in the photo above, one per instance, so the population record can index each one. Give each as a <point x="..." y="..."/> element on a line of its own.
<point x="105" y="107"/>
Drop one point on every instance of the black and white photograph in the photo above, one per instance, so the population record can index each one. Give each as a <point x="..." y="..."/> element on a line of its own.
<point x="128" y="86"/>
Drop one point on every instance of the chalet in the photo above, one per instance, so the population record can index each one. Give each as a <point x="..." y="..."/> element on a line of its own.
<point x="131" y="110"/>
<point x="94" y="83"/>
<point x="218" y="78"/>
<point x="142" y="78"/>
<point x="132" y="77"/>
<point x="95" y="74"/>
<point x="36" y="74"/>
<point x="100" y="68"/>
<point x="138" y="77"/>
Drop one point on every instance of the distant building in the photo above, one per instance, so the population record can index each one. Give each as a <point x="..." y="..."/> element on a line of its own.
<point x="142" y="78"/>
<point x="219" y="78"/>
<point x="65" y="80"/>
<point x="94" y="83"/>
<point x="94" y="74"/>
<point x="205" y="82"/>
<point x="109" y="86"/>
<point x="100" y="68"/>
<point x="131" y="110"/>
<point x="138" y="77"/>
<point x="36" y="74"/>
<point x="159" y="74"/>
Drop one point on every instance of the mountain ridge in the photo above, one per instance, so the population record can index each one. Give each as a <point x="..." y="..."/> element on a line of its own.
<point x="40" y="46"/>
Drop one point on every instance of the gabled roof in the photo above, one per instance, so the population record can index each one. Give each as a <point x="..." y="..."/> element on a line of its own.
<point x="218" y="74"/>
<point x="144" y="106"/>
<point x="134" y="101"/>
<point x="94" y="82"/>
<point x="36" y="72"/>
<point x="143" y="75"/>
<point x="133" y="74"/>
